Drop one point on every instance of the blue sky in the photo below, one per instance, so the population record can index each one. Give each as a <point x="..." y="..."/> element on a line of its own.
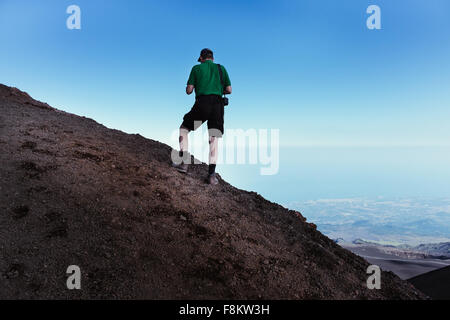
<point x="310" y="68"/>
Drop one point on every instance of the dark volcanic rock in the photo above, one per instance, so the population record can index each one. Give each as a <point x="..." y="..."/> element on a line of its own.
<point x="434" y="283"/>
<point x="73" y="192"/>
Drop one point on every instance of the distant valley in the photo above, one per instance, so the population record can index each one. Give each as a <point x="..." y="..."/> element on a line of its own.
<point x="386" y="221"/>
<point x="406" y="236"/>
<point x="405" y="261"/>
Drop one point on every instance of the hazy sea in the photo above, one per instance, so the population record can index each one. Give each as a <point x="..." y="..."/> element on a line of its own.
<point x="391" y="194"/>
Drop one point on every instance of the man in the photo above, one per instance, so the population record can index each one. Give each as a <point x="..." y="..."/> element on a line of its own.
<point x="205" y="80"/>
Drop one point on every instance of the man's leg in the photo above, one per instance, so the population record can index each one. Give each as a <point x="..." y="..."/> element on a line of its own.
<point x="183" y="153"/>
<point x="183" y="140"/>
<point x="213" y="154"/>
<point x="215" y="129"/>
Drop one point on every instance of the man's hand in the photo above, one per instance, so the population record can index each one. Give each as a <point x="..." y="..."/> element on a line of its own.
<point x="227" y="90"/>
<point x="189" y="88"/>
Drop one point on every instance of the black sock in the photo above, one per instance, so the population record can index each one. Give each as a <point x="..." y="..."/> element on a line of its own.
<point x="181" y="154"/>
<point x="212" y="168"/>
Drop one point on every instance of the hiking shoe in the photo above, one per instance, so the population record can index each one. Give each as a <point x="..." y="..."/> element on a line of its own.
<point x="183" y="167"/>
<point x="212" y="179"/>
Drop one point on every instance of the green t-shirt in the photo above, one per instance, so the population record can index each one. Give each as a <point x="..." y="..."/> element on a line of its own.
<point x="206" y="79"/>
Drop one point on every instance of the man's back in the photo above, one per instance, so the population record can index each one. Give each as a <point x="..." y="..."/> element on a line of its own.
<point x="206" y="79"/>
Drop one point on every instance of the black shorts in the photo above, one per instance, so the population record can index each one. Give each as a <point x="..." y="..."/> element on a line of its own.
<point x="206" y="108"/>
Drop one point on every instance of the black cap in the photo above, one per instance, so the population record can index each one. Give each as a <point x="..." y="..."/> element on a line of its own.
<point x="206" y="54"/>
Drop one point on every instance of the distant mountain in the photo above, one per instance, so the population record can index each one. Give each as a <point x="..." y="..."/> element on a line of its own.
<point x="405" y="261"/>
<point x="434" y="249"/>
<point x="365" y="242"/>
<point x="74" y="192"/>
<point x="427" y="250"/>
<point x="435" y="284"/>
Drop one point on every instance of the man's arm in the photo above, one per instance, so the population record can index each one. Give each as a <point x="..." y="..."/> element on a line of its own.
<point x="191" y="82"/>
<point x="226" y="81"/>
<point x="190" y="88"/>
<point x="227" y="90"/>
